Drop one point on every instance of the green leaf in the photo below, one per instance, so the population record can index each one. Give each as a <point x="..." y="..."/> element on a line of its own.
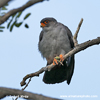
<point x="2" y="27"/>
<point x="9" y="23"/>
<point x="1" y="30"/>
<point x="18" y="24"/>
<point x="19" y="13"/>
<point x="13" y="15"/>
<point x="27" y="16"/>
<point x="4" y="8"/>
<point x="26" y="26"/>
<point x="12" y="25"/>
<point x="6" y="4"/>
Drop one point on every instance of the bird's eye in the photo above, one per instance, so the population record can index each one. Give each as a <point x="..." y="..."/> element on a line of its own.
<point x="46" y="22"/>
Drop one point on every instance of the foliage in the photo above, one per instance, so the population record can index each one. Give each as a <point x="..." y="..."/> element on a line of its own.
<point x="14" y="19"/>
<point x="1" y="14"/>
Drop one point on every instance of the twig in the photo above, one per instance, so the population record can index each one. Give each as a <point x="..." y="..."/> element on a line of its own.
<point x="32" y="75"/>
<point x="76" y="33"/>
<point x="26" y="84"/>
<point x="24" y="87"/>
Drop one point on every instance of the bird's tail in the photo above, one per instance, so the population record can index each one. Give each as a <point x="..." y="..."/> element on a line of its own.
<point x="70" y="70"/>
<point x="60" y="73"/>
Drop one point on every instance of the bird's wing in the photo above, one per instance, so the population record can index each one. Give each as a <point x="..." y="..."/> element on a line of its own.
<point x="71" y="61"/>
<point x="41" y="36"/>
<point x="70" y="36"/>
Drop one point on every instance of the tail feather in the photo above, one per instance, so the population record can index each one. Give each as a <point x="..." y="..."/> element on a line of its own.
<point x="60" y="73"/>
<point x="56" y="75"/>
<point x="70" y="70"/>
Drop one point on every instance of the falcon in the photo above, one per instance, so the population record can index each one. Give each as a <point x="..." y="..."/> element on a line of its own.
<point x="56" y="40"/>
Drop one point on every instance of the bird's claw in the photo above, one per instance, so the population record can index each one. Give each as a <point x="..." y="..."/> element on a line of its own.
<point x="60" y="62"/>
<point x="61" y="57"/>
<point x="55" y="61"/>
<point x="58" y="59"/>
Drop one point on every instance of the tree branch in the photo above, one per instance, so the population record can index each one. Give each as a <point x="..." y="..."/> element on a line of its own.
<point x="4" y="92"/>
<point x="3" y="2"/>
<point x="14" y="11"/>
<point x="76" y="33"/>
<point x="77" y="49"/>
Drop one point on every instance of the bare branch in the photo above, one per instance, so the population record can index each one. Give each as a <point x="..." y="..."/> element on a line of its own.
<point x="3" y="2"/>
<point x="14" y="11"/>
<point x="76" y="33"/>
<point x="83" y="46"/>
<point x="32" y="75"/>
<point x="77" y="49"/>
<point x="24" y="88"/>
<point x="4" y="92"/>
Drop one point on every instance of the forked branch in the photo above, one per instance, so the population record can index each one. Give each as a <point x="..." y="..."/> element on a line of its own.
<point x="76" y="33"/>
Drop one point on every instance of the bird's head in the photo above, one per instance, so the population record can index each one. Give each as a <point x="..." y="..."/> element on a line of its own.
<point x="48" y="23"/>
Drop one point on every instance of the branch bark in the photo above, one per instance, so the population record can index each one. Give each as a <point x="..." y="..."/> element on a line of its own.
<point x="4" y="92"/>
<point x="3" y="2"/>
<point x="76" y="33"/>
<point x="14" y="11"/>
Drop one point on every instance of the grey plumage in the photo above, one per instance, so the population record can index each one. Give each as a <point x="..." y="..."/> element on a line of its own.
<point x="56" y="39"/>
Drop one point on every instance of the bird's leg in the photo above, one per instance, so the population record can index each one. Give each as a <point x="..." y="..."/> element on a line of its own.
<point x="59" y="59"/>
<point x="55" y="61"/>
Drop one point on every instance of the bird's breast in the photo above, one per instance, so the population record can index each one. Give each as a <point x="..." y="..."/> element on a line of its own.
<point x="48" y="45"/>
<point x="54" y="42"/>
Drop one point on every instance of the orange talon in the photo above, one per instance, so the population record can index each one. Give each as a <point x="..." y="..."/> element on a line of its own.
<point x="61" y="57"/>
<point x="55" y="61"/>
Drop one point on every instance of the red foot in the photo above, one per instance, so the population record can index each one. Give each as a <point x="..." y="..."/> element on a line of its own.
<point x="61" y="57"/>
<point x="55" y="62"/>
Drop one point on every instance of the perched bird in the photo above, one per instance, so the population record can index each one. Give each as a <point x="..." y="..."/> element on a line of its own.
<point x="56" y="40"/>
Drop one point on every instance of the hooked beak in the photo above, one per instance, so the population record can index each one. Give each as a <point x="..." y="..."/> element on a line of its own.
<point x="42" y="25"/>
